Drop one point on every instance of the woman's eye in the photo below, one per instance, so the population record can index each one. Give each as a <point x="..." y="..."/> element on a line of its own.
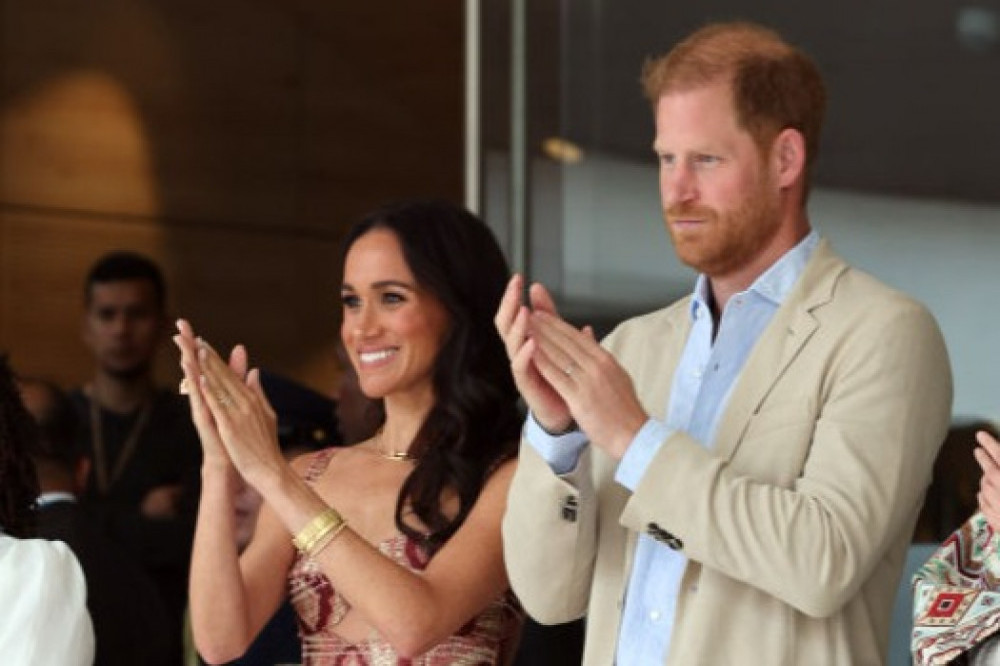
<point x="392" y="298"/>
<point x="350" y="301"/>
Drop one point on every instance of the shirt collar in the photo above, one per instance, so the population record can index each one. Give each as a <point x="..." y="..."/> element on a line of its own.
<point x="774" y="284"/>
<point x="54" y="496"/>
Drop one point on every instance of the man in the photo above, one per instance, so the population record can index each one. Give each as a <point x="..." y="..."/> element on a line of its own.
<point x="143" y="449"/>
<point x="127" y="612"/>
<point x="732" y="479"/>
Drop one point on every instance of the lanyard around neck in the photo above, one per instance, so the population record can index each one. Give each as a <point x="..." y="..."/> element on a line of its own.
<point x="104" y="480"/>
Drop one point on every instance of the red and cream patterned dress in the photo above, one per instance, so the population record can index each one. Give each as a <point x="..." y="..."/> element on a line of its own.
<point x="483" y="641"/>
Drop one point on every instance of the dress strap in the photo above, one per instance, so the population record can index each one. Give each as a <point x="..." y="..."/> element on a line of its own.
<point x="318" y="463"/>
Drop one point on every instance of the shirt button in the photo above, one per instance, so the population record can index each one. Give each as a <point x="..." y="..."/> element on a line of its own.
<point x="654" y="615"/>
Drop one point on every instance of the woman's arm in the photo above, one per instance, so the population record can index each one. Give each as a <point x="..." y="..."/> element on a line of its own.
<point x="229" y="601"/>
<point x="988" y="457"/>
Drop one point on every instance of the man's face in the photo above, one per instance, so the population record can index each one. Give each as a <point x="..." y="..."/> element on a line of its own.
<point x="122" y="326"/>
<point x="720" y="203"/>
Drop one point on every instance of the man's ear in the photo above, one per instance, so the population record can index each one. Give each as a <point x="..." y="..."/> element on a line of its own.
<point x="789" y="157"/>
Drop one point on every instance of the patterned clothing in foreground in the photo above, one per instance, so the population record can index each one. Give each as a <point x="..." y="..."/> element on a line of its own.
<point x="956" y="599"/>
<point x="480" y="642"/>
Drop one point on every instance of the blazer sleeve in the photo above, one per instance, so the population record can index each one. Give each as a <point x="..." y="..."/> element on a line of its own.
<point x="855" y="422"/>
<point x="549" y="537"/>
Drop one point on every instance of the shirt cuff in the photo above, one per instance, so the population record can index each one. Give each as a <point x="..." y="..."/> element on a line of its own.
<point x="561" y="452"/>
<point x="640" y="453"/>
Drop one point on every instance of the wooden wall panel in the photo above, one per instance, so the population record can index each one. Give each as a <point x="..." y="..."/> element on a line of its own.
<point x="232" y="141"/>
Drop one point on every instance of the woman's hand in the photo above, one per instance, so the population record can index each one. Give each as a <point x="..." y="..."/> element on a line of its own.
<point x="988" y="457"/>
<point x="244" y="420"/>
<point x="211" y="443"/>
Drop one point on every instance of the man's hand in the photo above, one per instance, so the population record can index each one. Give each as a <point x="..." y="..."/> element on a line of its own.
<point x="512" y="318"/>
<point x="597" y="390"/>
<point x="161" y="502"/>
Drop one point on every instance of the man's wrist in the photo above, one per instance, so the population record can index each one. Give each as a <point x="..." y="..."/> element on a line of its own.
<point x="565" y="430"/>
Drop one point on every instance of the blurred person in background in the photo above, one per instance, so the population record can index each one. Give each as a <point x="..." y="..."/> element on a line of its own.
<point x="43" y="617"/>
<point x="144" y="454"/>
<point x="124" y="604"/>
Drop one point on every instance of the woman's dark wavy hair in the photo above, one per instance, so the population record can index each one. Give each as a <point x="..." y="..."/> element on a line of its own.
<point x="475" y="421"/>
<point x="18" y="481"/>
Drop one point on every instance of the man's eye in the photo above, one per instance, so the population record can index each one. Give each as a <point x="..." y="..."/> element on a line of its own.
<point x="706" y="160"/>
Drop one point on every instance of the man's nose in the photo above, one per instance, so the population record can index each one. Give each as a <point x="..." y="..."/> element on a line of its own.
<point x="119" y="324"/>
<point x="679" y="185"/>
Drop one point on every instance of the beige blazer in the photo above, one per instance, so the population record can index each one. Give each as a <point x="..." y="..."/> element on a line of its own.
<point x="795" y="521"/>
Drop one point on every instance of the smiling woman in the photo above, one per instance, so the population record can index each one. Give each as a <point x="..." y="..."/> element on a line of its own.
<point x="390" y="550"/>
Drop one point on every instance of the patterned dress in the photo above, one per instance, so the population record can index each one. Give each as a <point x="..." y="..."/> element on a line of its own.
<point x="956" y="601"/>
<point x="481" y="642"/>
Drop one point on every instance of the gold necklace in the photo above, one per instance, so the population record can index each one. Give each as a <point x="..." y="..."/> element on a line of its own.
<point x="395" y="456"/>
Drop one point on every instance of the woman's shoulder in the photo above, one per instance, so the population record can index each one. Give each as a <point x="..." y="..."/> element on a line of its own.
<point x="37" y="558"/>
<point x="500" y="474"/>
<point x="43" y="551"/>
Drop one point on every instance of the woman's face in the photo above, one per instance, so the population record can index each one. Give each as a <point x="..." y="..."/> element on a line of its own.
<point x="392" y="328"/>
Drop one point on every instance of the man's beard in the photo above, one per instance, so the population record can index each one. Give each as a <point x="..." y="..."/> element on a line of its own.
<point x="732" y="239"/>
<point x="129" y="373"/>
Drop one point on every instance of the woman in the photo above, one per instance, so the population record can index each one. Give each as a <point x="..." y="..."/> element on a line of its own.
<point x="956" y="601"/>
<point x="397" y="549"/>
<point x="44" y="618"/>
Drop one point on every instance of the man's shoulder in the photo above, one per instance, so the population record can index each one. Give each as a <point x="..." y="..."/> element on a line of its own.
<point x="831" y="282"/>
<point x="858" y="290"/>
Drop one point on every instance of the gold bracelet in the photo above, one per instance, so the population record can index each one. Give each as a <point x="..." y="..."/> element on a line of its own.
<point x="325" y="540"/>
<point x="316" y="528"/>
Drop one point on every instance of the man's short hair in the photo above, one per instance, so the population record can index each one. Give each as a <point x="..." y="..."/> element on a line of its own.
<point x="775" y="85"/>
<point x="122" y="265"/>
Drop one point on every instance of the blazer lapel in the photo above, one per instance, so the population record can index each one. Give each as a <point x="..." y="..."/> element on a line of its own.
<point x="783" y="340"/>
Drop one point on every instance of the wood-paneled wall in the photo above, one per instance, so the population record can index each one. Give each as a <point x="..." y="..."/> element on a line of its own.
<point x="234" y="142"/>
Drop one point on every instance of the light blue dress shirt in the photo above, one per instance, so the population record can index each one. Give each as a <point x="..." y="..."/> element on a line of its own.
<point x="705" y="375"/>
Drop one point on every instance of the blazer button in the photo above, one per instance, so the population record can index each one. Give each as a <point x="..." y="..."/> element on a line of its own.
<point x="568" y="509"/>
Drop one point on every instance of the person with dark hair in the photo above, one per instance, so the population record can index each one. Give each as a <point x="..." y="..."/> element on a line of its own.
<point x="733" y="478"/>
<point x="390" y="549"/>
<point x="44" y="618"/>
<point x="956" y="592"/>
<point x="143" y="450"/>
<point x="124" y="604"/>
